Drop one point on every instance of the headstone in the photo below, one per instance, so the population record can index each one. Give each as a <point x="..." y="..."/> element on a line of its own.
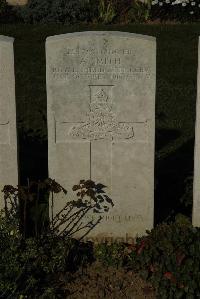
<point x="101" y="123"/>
<point x="196" y="184"/>
<point x="8" y="136"/>
<point x="17" y="2"/>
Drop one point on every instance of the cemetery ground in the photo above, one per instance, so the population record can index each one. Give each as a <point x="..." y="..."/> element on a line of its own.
<point x="157" y="258"/>
<point x="38" y="262"/>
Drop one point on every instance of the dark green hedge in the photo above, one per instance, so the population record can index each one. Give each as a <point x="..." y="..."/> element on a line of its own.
<point x="58" y="11"/>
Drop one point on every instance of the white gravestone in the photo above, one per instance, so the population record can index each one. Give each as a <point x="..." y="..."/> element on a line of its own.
<point x="8" y="135"/>
<point x="196" y="185"/>
<point x="101" y="123"/>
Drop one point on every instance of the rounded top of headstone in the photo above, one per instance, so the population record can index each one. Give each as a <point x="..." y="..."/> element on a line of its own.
<point x="4" y="38"/>
<point x="100" y="33"/>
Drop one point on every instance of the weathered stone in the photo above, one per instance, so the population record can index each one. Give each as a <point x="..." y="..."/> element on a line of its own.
<point x="101" y="123"/>
<point x="8" y="138"/>
<point x="196" y="184"/>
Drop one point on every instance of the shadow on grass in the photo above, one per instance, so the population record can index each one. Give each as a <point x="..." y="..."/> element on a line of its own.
<point x="165" y="136"/>
<point x="33" y="159"/>
<point x="170" y="174"/>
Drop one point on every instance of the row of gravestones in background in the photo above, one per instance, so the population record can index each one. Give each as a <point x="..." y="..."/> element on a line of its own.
<point x="17" y="2"/>
<point x="24" y="2"/>
<point x="101" y="124"/>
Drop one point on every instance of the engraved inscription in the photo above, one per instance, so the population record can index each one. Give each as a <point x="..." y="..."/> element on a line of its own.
<point x="98" y="63"/>
<point x="101" y="122"/>
<point x="107" y="60"/>
<point x="119" y="218"/>
<point x="99" y="72"/>
<point x="81" y="51"/>
<point x="101" y="98"/>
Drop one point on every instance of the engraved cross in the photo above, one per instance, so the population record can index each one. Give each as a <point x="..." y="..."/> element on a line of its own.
<point x="101" y="129"/>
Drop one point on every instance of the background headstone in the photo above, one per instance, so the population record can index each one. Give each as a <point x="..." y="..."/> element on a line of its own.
<point x="17" y="2"/>
<point x="8" y="136"/>
<point x="101" y="123"/>
<point x="196" y="184"/>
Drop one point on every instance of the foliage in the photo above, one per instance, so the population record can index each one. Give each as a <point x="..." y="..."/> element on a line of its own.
<point x="106" y="11"/>
<point x="139" y="12"/>
<point x="168" y="257"/>
<point x="121" y="8"/>
<point x="9" y="244"/>
<point x="40" y="265"/>
<point x="179" y="10"/>
<point x="6" y="13"/>
<point x="110" y="254"/>
<point x="36" y="266"/>
<point x="30" y="204"/>
<point x="84" y="11"/>
<point x="123" y="11"/>
<point x="91" y="199"/>
<point x="57" y="11"/>
<point x="187" y="198"/>
<point x="3" y="5"/>
<point x="102" y="11"/>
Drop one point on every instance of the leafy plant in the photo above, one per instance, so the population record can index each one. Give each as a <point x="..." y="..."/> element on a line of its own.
<point x="129" y="11"/>
<point x="3" y="5"/>
<point x="57" y="11"/>
<point x="110" y="254"/>
<point x="91" y="198"/>
<point x="30" y="203"/>
<point x="38" y="266"/>
<point x="106" y="11"/>
<point x="187" y="198"/>
<point x="168" y="257"/>
<point x="179" y="10"/>
<point x="30" y="267"/>
<point x="138" y="13"/>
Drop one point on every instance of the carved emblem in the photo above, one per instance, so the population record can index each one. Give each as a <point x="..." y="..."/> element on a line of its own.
<point x="101" y="122"/>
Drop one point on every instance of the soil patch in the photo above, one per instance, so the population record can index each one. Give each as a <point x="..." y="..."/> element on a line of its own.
<point x="98" y="281"/>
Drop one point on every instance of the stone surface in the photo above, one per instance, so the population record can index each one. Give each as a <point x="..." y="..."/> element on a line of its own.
<point x="101" y="123"/>
<point x="8" y="138"/>
<point x="196" y="184"/>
